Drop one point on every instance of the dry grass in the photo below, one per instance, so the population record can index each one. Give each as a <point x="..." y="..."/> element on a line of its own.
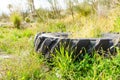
<point x="27" y="65"/>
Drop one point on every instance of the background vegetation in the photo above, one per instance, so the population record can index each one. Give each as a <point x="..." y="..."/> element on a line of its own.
<point x="87" y="19"/>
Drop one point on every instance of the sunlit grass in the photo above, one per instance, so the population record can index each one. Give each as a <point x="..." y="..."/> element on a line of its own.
<point x="27" y="65"/>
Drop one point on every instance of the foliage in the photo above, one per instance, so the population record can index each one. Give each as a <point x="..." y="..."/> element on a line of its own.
<point x="28" y="65"/>
<point x="84" y="9"/>
<point x="55" y="8"/>
<point x="16" y="19"/>
<point x="57" y="27"/>
<point x="42" y="15"/>
<point x="26" y="70"/>
<point x="117" y="24"/>
<point x="27" y="19"/>
<point x="90" y="68"/>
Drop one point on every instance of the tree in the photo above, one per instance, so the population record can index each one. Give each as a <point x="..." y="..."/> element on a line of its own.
<point x="55" y="7"/>
<point x="10" y="7"/>
<point x="70" y="4"/>
<point x="31" y="5"/>
<point x="101" y="7"/>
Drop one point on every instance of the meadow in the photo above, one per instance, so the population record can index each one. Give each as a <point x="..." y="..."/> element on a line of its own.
<point x="25" y="64"/>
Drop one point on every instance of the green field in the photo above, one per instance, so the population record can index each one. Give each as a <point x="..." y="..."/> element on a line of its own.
<point x="23" y="63"/>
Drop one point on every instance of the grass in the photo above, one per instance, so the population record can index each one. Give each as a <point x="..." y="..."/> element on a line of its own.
<point x="28" y="65"/>
<point x="94" y="68"/>
<point x="16" y="19"/>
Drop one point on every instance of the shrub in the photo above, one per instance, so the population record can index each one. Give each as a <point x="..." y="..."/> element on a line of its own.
<point x="16" y="18"/>
<point x="27" y="19"/>
<point x="84" y="9"/>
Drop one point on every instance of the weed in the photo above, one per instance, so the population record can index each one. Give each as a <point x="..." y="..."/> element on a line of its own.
<point x="94" y="68"/>
<point x="16" y="19"/>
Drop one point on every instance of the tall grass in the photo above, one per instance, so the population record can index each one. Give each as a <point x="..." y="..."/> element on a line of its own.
<point x="16" y="19"/>
<point x="90" y="68"/>
<point x="28" y="65"/>
<point x="33" y="67"/>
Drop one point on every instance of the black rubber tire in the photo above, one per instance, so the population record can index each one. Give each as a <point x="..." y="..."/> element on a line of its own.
<point x="48" y="43"/>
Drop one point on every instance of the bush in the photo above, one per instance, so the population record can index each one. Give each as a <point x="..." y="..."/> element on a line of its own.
<point x="16" y="18"/>
<point x="27" y="19"/>
<point x="84" y="9"/>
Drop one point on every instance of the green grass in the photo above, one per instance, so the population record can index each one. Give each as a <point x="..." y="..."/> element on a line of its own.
<point x="34" y="67"/>
<point x="90" y="68"/>
<point x="16" y="38"/>
<point x="28" y="65"/>
<point x="117" y="24"/>
<point x="16" y="19"/>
